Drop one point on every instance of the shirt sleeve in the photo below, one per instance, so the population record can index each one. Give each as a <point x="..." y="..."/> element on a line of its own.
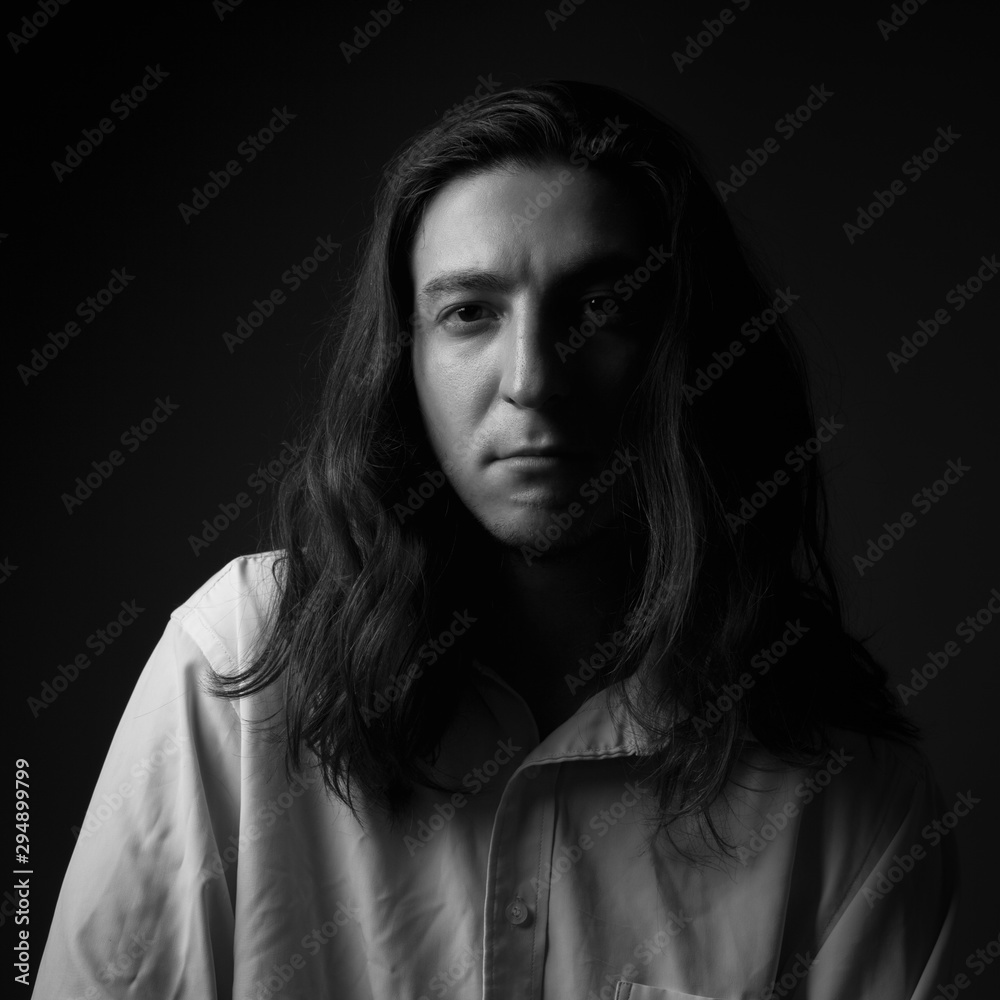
<point x="892" y="939"/>
<point x="146" y="906"/>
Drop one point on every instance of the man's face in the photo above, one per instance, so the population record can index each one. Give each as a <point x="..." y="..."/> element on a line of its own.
<point x="523" y="415"/>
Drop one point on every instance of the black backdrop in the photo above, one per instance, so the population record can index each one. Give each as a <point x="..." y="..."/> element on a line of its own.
<point x="220" y="69"/>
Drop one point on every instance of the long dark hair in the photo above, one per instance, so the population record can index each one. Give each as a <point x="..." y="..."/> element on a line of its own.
<point x="365" y="588"/>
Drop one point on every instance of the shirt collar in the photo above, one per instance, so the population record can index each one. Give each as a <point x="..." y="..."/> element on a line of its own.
<point x="598" y="728"/>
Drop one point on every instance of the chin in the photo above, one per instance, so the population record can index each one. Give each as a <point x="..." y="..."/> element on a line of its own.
<point x="541" y="532"/>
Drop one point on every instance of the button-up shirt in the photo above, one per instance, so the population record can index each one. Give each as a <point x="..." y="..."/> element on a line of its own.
<point x="204" y="870"/>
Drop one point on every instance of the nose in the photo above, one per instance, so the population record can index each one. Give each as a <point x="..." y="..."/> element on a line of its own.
<point x="531" y="375"/>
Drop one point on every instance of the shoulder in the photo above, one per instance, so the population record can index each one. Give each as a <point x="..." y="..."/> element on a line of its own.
<point x="228" y="614"/>
<point x="869" y="786"/>
<point x="859" y="797"/>
<point x="875" y="890"/>
<point x="867" y="793"/>
<point x="249" y="579"/>
<point x="861" y="787"/>
<point x="873" y="806"/>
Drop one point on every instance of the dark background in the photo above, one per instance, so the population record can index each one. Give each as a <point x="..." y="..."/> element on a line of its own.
<point x="66" y="573"/>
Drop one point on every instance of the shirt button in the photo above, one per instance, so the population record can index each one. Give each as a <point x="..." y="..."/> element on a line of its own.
<point x="517" y="911"/>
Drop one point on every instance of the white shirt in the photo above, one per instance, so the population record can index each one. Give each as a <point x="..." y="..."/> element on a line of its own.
<point x="202" y="871"/>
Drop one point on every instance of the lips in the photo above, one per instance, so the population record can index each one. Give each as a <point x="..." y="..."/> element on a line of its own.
<point x="550" y="450"/>
<point x="538" y="453"/>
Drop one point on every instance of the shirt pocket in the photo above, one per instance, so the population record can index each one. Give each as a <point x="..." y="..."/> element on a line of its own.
<point x="635" y="991"/>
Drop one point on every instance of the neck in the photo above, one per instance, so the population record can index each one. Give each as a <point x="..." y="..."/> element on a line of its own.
<point x="547" y="616"/>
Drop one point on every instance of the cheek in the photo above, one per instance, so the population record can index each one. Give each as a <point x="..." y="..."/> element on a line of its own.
<point x="452" y="393"/>
<point x="609" y="373"/>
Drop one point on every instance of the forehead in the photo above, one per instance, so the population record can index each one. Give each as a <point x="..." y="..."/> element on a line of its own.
<point x="527" y="223"/>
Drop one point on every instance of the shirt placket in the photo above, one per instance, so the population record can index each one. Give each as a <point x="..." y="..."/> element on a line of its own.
<point x="516" y="911"/>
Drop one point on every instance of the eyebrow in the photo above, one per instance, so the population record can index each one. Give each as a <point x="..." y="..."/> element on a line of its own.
<point x="471" y="279"/>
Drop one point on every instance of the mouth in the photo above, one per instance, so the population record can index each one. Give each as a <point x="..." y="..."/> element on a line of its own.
<point x="550" y="451"/>
<point x="538" y="461"/>
<point x="563" y="463"/>
<point x="545" y="473"/>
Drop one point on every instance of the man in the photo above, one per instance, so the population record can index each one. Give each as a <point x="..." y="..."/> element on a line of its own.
<point x="545" y="692"/>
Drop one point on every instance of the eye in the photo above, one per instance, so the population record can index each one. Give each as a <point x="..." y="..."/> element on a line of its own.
<point x="467" y="315"/>
<point x="603" y="306"/>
